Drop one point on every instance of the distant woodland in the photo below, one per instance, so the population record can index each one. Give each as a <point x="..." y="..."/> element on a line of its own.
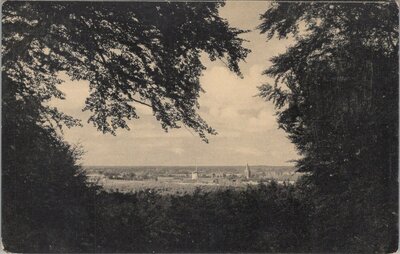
<point x="336" y="97"/>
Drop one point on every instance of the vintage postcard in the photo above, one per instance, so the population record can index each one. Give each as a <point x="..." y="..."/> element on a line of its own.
<point x="200" y="126"/>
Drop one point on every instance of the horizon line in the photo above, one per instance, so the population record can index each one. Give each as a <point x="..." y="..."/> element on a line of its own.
<point x="194" y="165"/>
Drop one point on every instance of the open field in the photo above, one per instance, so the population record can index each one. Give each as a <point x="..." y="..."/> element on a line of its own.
<point x="161" y="187"/>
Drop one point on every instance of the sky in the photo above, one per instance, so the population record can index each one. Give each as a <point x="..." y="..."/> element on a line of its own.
<point x="246" y="124"/>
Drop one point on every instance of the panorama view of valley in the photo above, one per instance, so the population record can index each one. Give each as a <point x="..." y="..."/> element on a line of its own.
<point x="186" y="179"/>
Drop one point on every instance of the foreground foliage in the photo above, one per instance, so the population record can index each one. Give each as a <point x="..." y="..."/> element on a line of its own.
<point x="336" y="92"/>
<point x="44" y="191"/>
<point x="267" y="218"/>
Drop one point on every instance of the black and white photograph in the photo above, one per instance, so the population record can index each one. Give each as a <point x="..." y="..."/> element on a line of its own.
<point x="200" y="126"/>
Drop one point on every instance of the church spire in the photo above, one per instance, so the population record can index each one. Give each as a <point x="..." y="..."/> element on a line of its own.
<point x="247" y="172"/>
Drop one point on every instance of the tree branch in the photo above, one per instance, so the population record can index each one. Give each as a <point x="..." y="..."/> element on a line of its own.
<point x="141" y="102"/>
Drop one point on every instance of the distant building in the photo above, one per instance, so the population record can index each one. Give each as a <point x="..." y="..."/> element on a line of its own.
<point x="195" y="175"/>
<point x="247" y="172"/>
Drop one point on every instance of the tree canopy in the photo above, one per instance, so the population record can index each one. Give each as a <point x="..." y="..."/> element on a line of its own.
<point x="131" y="54"/>
<point x="336" y="92"/>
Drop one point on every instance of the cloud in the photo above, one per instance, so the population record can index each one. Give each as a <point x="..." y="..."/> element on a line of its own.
<point x="230" y="103"/>
<point x="265" y="120"/>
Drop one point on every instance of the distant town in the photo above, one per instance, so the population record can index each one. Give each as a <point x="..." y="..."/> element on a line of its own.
<point x="170" y="179"/>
